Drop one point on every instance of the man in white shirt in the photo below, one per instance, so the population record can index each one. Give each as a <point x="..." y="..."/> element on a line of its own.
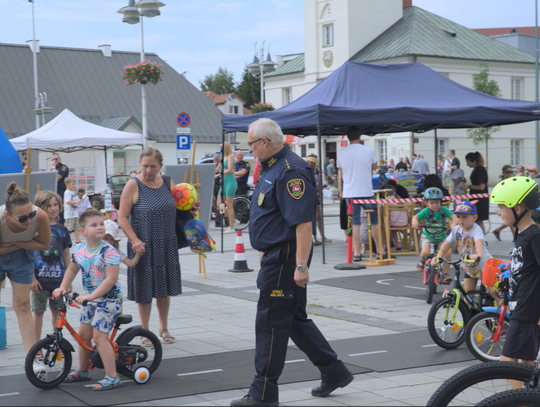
<point x="447" y="170"/>
<point x="356" y="163"/>
<point x="420" y="165"/>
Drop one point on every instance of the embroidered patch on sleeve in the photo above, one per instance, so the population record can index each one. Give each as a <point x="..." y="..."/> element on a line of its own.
<point x="296" y="188"/>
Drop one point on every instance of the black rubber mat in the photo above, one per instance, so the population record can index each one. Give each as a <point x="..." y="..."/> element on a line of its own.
<point x="384" y="353"/>
<point x="406" y="284"/>
<point x="199" y="374"/>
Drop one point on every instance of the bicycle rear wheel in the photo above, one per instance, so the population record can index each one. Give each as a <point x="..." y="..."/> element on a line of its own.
<point x="430" y="283"/>
<point x="47" y="365"/>
<point x="446" y="333"/>
<point x="241" y="206"/>
<point x="138" y="347"/>
<point x="513" y="398"/>
<point x="476" y="383"/>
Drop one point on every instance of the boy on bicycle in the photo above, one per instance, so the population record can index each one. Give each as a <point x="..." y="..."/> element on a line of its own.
<point x="516" y="198"/>
<point x="99" y="263"/>
<point x="470" y="242"/>
<point x="435" y="215"/>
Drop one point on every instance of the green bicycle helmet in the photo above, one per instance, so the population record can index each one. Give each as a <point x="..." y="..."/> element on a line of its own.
<point x="518" y="190"/>
<point x="433" y="193"/>
<point x="514" y="191"/>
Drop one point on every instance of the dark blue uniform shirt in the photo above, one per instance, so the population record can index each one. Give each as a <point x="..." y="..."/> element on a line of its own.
<point x="63" y="171"/>
<point x="242" y="181"/>
<point x="284" y="197"/>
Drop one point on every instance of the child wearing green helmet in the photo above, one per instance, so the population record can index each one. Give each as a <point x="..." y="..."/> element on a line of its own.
<point x="435" y="214"/>
<point x="516" y="198"/>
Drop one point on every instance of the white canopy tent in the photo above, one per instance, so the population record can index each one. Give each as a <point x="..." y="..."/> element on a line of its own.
<point x="68" y="133"/>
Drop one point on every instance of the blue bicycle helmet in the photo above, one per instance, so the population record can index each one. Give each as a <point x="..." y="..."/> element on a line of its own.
<point x="433" y="193"/>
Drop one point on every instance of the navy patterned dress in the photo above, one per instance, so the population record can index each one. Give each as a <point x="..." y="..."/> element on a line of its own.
<point x="153" y="220"/>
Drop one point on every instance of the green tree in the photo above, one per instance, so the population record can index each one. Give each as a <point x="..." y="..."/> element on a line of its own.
<point x="249" y="89"/>
<point x="222" y="82"/>
<point x="482" y="83"/>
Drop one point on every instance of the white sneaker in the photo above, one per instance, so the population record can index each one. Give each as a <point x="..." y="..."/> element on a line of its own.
<point x="40" y="367"/>
<point x="229" y="230"/>
<point x="236" y="223"/>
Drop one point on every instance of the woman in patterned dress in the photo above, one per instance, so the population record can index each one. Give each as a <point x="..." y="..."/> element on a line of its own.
<point x="147" y="216"/>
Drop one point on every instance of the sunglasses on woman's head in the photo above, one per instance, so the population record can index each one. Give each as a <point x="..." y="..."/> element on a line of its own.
<point x="24" y="218"/>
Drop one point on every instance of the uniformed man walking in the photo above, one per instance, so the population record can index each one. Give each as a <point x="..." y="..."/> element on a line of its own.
<point x="241" y="173"/>
<point x="63" y="173"/>
<point x="282" y="221"/>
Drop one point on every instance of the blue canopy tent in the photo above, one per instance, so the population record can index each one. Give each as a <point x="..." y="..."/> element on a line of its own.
<point x="10" y="162"/>
<point x="388" y="99"/>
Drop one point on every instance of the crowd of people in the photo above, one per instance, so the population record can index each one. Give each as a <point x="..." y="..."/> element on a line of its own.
<point x="38" y="256"/>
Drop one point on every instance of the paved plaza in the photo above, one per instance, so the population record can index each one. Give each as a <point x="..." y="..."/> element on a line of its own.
<point x="215" y="316"/>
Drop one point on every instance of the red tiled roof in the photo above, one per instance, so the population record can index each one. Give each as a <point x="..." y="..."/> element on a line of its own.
<point x="220" y="99"/>
<point x="491" y="32"/>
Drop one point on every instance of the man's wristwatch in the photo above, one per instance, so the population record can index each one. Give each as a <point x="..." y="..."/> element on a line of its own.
<point x="301" y="268"/>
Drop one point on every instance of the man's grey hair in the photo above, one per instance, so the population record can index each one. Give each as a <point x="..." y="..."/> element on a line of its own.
<point x="267" y="128"/>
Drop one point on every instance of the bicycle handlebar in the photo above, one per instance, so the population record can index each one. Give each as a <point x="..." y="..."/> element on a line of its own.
<point x="74" y="296"/>
<point x="464" y="259"/>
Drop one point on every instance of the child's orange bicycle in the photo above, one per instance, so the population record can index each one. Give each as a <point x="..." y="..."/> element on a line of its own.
<point x="49" y="361"/>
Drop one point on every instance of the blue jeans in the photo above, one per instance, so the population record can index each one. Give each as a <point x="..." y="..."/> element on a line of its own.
<point x="356" y="211"/>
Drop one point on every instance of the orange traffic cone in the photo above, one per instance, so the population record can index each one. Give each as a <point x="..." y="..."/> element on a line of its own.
<point x="240" y="263"/>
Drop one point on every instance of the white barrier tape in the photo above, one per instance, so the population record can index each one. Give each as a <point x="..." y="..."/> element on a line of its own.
<point x="408" y="200"/>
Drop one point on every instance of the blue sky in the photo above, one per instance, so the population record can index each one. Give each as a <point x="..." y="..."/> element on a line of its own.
<point x="199" y="36"/>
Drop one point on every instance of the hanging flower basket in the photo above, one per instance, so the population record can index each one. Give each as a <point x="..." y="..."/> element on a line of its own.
<point x="261" y="107"/>
<point x="143" y="72"/>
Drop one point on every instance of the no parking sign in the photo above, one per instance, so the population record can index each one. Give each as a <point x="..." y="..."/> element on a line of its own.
<point x="183" y="119"/>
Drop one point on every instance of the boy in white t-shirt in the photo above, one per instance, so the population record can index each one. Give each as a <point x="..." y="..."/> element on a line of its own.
<point x="470" y="241"/>
<point x="71" y="216"/>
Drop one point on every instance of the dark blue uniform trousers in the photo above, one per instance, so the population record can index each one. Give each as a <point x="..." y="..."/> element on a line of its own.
<point x="281" y="314"/>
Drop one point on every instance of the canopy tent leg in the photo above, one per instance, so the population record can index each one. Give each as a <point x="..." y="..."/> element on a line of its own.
<point x="321" y="168"/>
<point x="222" y="215"/>
<point x="436" y="150"/>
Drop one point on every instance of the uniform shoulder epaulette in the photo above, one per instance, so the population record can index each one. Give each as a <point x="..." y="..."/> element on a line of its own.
<point x="287" y="165"/>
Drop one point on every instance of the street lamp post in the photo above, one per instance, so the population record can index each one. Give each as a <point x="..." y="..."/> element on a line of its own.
<point x="132" y="15"/>
<point x="259" y="65"/>
<point x="34" y="54"/>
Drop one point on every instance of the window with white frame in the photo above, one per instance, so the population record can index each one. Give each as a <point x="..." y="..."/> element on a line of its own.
<point x="383" y="149"/>
<point x="328" y="35"/>
<point x="442" y="147"/>
<point x="516" y="88"/>
<point x="233" y="109"/>
<point x="288" y="95"/>
<point x="303" y="151"/>
<point x="515" y="152"/>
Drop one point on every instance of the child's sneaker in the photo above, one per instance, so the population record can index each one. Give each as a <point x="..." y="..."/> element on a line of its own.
<point x="446" y="278"/>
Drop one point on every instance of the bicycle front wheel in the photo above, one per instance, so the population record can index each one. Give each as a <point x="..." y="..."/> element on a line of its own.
<point x="241" y="206"/>
<point x="479" y="332"/>
<point x="476" y="383"/>
<point x="513" y="398"/>
<point x="47" y="365"/>
<point x="445" y="330"/>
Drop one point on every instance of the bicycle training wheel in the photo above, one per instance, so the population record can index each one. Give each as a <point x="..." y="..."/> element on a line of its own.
<point x="476" y="383"/>
<point x="136" y="348"/>
<point x="445" y="332"/>
<point x="46" y="366"/>
<point x="241" y="206"/>
<point x="479" y="332"/>
<point x="430" y="283"/>
<point x="513" y="398"/>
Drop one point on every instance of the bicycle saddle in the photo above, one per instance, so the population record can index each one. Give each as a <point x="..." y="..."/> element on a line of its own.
<point x="124" y="319"/>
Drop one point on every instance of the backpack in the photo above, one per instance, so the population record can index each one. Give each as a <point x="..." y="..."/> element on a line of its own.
<point x="197" y="237"/>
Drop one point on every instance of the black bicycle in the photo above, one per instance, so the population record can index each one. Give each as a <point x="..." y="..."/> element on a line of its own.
<point x="449" y="317"/>
<point x="433" y="273"/>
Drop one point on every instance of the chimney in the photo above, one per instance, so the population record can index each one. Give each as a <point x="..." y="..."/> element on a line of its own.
<point x="407" y="3"/>
<point x="34" y="45"/>
<point x="106" y="49"/>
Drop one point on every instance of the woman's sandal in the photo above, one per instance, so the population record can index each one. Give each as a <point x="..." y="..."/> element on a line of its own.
<point x="108" y="383"/>
<point x="82" y="376"/>
<point x="357" y="258"/>
<point x="327" y="240"/>
<point x="420" y="266"/>
<point x="166" y="337"/>
<point x="146" y="342"/>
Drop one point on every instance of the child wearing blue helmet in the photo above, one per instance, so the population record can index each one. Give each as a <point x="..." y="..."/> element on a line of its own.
<point x="435" y="214"/>
<point x="470" y="242"/>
